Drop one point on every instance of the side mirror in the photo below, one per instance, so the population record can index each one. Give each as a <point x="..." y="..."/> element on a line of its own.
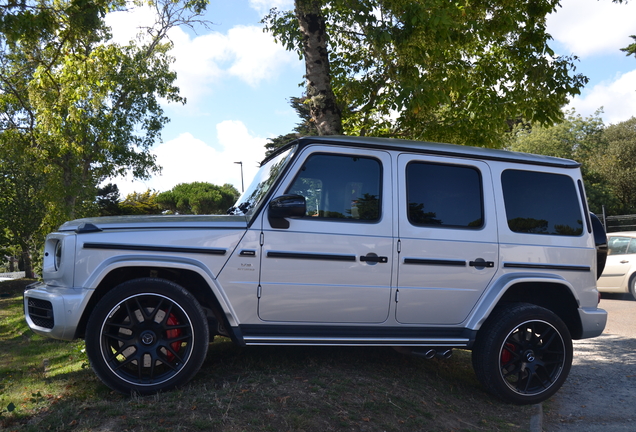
<point x="285" y="206"/>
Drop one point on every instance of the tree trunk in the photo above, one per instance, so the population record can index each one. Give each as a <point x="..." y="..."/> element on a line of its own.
<point x="28" y="264"/>
<point x="323" y="107"/>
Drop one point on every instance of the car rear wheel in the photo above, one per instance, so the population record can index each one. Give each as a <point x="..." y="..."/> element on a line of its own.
<point x="147" y="335"/>
<point x="632" y="286"/>
<point x="523" y="353"/>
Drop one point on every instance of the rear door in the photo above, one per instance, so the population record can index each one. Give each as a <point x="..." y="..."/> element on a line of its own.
<point x="334" y="264"/>
<point x="447" y="238"/>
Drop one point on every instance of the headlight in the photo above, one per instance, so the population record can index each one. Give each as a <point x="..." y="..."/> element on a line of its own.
<point x="57" y="259"/>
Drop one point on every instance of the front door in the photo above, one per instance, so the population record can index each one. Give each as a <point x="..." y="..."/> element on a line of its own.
<point x="334" y="264"/>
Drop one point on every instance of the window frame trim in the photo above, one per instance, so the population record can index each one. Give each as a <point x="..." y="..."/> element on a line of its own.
<point x="575" y="189"/>
<point x="351" y="155"/>
<point x="448" y="227"/>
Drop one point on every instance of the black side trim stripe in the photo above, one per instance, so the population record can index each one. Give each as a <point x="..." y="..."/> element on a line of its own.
<point x="311" y="256"/>
<point x="447" y="343"/>
<point x="145" y="248"/>
<point x="548" y="267"/>
<point x="435" y="262"/>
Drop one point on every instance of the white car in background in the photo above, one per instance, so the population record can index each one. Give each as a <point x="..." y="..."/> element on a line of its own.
<point x="619" y="275"/>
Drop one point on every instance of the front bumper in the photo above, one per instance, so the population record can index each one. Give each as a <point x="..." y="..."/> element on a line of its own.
<point x="54" y="311"/>
<point x="593" y="322"/>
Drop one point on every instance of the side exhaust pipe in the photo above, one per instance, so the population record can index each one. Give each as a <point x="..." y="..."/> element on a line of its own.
<point x="446" y="354"/>
<point x="431" y="353"/>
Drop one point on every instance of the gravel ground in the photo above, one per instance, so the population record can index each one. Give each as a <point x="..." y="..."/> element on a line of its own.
<point x="600" y="393"/>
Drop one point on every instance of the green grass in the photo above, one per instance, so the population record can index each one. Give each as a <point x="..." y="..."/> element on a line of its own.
<point x="246" y="389"/>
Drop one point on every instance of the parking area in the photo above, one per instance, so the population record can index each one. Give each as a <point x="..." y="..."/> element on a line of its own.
<point x="601" y="389"/>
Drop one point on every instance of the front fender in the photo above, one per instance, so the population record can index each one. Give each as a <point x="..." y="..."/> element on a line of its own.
<point x="120" y="262"/>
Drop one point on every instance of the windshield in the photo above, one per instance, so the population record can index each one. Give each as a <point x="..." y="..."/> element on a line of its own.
<point x="263" y="181"/>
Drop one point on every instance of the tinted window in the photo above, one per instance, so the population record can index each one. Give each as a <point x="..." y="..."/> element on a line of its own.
<point x="621" y="245"/>
<point x="340" y="187"/>
<point x="541" y="203"/>
<point x="444" y="195"/>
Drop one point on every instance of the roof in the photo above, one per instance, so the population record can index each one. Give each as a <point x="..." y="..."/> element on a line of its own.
<point x="439" y="149"/>
<point x="622" y="233"/>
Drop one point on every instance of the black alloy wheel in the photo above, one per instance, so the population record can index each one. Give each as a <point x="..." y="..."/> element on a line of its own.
<point x="147" y="335"/>
<point x="523" y="353"/>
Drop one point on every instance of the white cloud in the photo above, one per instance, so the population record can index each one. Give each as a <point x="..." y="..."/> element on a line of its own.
<point x="198" y="62"/>
<point x="618" y="99"/>
<point x="203" y="61"/>
<point x="589" y="27"/>
<point x="239" y="146"/>
<point x="187" y="159"/>
<point x="126" y="25"/>
<point x="245" y="52"/>
<point x="263" y="6"/>
<point x="257" y="57"/>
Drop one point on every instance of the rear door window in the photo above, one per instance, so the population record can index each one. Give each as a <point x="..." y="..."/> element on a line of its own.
<point x="444" y="195"/>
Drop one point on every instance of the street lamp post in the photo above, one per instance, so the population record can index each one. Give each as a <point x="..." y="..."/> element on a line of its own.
<point x="241" y="164"/>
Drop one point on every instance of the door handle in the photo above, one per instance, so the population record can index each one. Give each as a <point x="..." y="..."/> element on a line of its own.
<point x="480" y="263"/>
<point x="624" y="262"/>
<point x="372" y="258"/>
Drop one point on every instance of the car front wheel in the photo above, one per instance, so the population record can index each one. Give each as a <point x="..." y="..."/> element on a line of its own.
<point x="147" y="335"/>
<point x="523" y="353"/>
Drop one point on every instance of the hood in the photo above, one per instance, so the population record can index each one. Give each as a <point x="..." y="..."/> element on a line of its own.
<point x="154" y="222"/>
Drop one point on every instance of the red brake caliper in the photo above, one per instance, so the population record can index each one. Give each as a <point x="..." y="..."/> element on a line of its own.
<point x="171" y="334"/>
<point x="506" y="354"/>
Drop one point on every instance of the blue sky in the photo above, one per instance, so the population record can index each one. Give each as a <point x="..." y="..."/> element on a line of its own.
<point x="237" y="81"/>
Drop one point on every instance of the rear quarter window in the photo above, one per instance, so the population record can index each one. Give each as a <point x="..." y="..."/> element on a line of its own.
<point x="541" y="203"/>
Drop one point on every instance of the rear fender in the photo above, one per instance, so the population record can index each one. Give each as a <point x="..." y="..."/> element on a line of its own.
<point x="496" y="294"/>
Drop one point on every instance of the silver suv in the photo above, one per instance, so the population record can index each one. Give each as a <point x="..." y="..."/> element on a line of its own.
<point x="343" y="241"/>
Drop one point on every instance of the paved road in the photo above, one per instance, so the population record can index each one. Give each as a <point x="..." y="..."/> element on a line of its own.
<point x="600" y="393"/>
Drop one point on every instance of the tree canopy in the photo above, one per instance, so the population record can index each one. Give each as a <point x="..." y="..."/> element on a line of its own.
<point x="140" y="203"/>
<point x="23" y="203"/>
<point x="460" y="72"/>
<point x="617" y="164"/>
<point x="198" y="198"/>
<point x="77" y="107"/>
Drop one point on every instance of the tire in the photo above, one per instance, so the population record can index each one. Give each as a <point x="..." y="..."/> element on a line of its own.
<point x="147" y="335"/>
<point x="632" y="286"/>
<point x="523" y="353"/>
